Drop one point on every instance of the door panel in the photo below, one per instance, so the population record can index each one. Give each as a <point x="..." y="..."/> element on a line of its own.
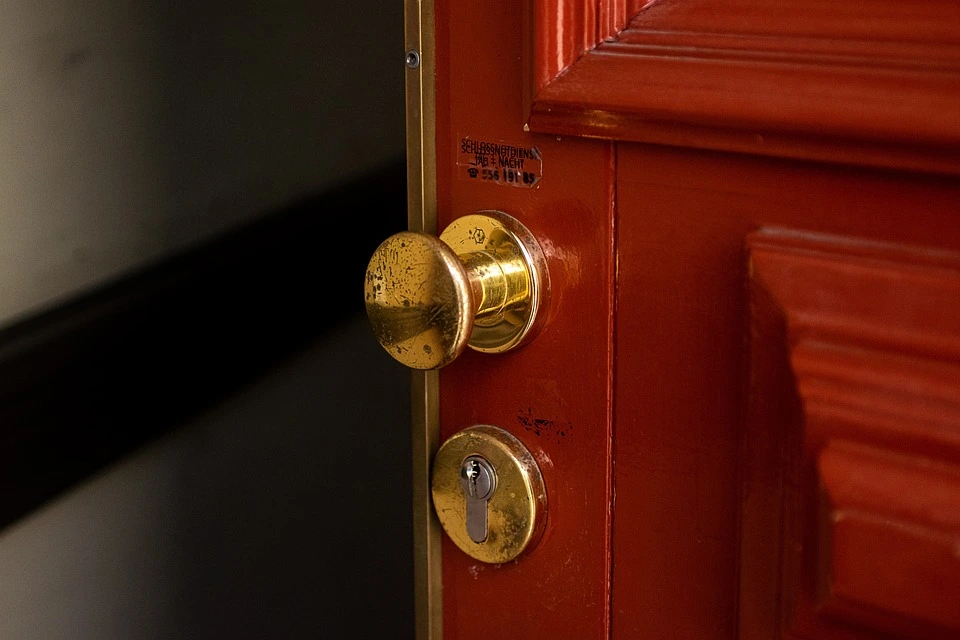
<point x="864" y="83"/>
<point x="749" y="213"/>
<point x="703" y="439"/>
<point x="554" y="393"/>
<point x="856" y="466"/>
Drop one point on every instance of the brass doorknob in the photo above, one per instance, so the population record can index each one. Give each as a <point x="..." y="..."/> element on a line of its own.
<point x="482" y="283"/>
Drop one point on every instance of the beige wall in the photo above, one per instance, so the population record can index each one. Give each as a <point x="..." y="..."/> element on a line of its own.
<point x="130" y="129"/>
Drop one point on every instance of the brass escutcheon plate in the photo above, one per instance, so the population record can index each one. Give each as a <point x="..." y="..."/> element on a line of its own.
<point x="517" y="509"/>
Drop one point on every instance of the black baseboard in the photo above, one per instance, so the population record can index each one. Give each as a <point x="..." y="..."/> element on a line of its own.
<point x="99" y="376"/>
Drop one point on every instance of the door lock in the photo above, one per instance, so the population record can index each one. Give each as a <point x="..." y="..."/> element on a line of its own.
<point x="478" y="480"/>
<point x="489" y="494"/>
<point x="482" y="283"/>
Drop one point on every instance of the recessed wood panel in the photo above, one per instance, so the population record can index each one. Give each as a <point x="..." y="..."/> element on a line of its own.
<point x="862" y="368"/>
<point x="702" y="388"/>
<point x="891" y="540"/>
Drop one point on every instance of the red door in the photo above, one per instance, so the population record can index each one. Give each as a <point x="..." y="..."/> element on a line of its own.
<point x="746" y="399"/>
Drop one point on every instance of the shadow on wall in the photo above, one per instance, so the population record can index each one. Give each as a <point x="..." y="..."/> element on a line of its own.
<point x="283" y="512"/>
<point x="130" y="130"/>
<point x="93" y="378"/>
<point x="164" y="233"/>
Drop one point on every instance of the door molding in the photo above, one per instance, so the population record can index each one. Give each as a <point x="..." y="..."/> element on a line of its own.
<point x="850" y="455"/>
<point x="561" y="31"/>
<point x="812" y="82"/>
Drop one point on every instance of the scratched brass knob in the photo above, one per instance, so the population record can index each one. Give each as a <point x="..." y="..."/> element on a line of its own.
<point x="483" y="283"/>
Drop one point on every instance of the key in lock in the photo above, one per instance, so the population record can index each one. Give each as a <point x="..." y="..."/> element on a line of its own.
<point x="479" y="481"/>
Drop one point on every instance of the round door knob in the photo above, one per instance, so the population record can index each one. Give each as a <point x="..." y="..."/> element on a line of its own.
<point x="483" y="284"/>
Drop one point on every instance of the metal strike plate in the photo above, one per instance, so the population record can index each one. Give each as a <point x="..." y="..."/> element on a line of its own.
<point x="489" y="494"/>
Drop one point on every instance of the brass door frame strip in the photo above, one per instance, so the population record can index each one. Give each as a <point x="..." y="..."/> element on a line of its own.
<point x="422" y="216"/>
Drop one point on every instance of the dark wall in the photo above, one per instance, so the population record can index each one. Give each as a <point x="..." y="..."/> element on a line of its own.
<point x="131" y="130"/>
<point x="280" y="511"/>
<point x="204" y="440"/>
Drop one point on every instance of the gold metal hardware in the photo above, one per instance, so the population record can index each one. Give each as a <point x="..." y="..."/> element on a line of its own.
<point x="483" y="283"/>
<point x="516" y="505"/>
<point x="419" y="90"/>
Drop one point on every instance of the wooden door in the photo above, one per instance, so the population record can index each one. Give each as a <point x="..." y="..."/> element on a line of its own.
<point x="746" y="400"/>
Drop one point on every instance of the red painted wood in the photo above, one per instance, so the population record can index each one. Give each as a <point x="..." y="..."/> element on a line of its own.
<point x="850" y="503"/>
<point x="893" y="529"/>
<point x="553" y="394"/>
<point x="875" y="84"/>
<point x="743" y="344"/>
<point x="705" y="427"/>
<point x="612" y="17"/>
<point x="930" y="21"/>
<point x="561" y="31"/>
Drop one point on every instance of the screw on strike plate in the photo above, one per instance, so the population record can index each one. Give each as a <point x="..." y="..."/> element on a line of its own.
<point x="412" y="59"/>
